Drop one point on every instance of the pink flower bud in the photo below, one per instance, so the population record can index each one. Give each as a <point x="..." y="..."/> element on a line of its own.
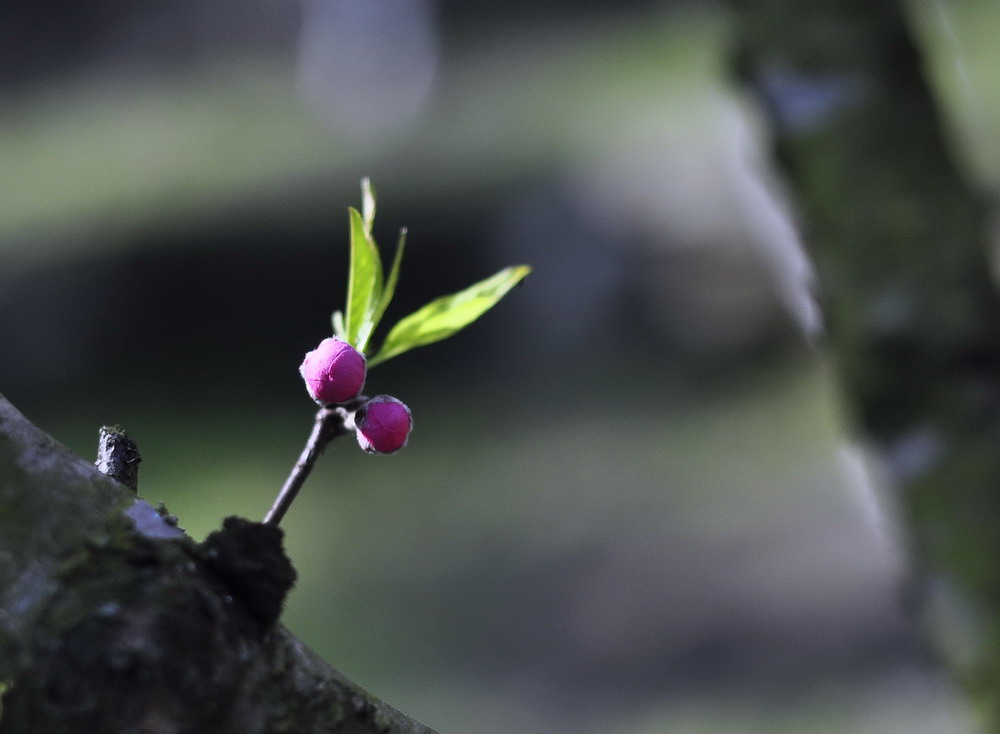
<point x="334" y="371"/>
<point x="383" y="425"/>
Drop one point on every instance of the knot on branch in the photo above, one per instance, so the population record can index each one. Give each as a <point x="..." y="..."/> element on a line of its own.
<point x="118" y="456"/>
<point x="248" y="557"/>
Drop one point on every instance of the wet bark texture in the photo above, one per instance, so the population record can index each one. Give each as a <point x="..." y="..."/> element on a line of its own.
<point x="112" y="620"/>
<point x="913" y="317"/>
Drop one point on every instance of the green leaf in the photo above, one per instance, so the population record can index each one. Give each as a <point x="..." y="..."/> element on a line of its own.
<point x="444" y="316"/>
<point x="364" y="285"/>
<point x="390" y="285"/>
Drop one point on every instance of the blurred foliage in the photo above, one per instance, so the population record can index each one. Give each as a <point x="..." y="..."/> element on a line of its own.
<point x="900" y="238"/>
<point x="91" y="164"/>
<point x="959" y="43"/>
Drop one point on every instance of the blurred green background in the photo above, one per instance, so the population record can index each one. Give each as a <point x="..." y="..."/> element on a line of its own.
<point x="629" y="504"/>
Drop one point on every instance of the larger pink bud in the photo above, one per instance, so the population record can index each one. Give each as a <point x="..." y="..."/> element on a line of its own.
<point x="334" y="371"/>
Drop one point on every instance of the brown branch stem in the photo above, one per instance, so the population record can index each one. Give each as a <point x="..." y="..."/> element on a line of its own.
<point x="331" y="421"/>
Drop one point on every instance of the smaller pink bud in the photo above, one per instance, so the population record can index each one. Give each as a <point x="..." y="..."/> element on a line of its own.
<point x="383" y="425"/>
<point x="334" y="371"/>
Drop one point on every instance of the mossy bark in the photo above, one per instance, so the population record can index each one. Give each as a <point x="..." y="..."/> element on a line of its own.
<point x="112" y="620"/>
<point x="913" y="316"/>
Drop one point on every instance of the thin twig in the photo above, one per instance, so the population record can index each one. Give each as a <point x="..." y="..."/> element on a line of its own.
<point x="331" y="421"/>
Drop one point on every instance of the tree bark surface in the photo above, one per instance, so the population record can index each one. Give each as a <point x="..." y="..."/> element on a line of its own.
<point x="112" y="620"/>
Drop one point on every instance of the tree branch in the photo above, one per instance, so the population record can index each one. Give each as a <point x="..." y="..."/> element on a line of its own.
<point x="112" y="620"/>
